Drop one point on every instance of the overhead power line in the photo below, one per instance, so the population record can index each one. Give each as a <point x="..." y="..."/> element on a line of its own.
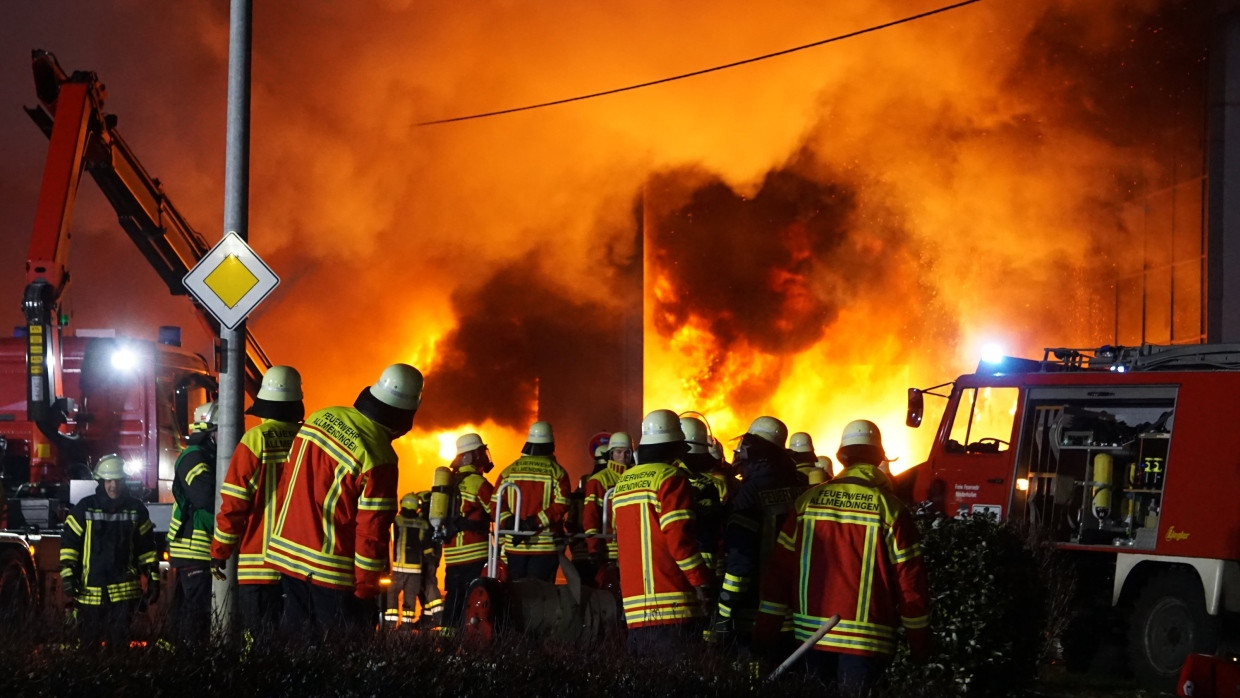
<point x="703" y="71"/>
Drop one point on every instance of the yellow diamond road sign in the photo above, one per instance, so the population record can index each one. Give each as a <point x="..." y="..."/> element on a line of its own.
<point x="230" y="281"/>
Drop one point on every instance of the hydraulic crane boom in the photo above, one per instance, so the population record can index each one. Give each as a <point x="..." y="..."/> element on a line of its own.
<point x="84" y="138"/>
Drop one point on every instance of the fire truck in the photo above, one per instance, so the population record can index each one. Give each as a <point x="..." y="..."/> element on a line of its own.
<point x="1128" y="459"/>
<point x="68" y="397"/>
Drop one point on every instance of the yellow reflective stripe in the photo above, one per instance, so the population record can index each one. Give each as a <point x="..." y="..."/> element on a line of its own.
<point x="310" y="570"/>
<point x="847" y="517"/>
<point x="145" y="527"/>
<point x="377" y="503"/>
<point x="690" y="562"/>
<point x="775" y="609"/>
<point x="226" y="538"/>
<point x="147" y="558"/>
<point x="674" y="516"/>
<point x="235" y="491"/>
<point x="868" y="563"/>
<point x="72" y="523"/>
<point x="69" y="555"/>
<point x="631" y="498"/>
<point x="914" y="623"/>
<point x="291" y="548"/>
<point x="66" y="572"/>
<point x="316" y="436"/>
<point x="194" y="472"/>
<point x="369" y="563"/>
<point x="734" y="583"/>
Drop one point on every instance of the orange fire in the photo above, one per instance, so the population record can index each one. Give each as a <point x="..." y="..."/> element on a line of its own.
<point x="805" y="237"/>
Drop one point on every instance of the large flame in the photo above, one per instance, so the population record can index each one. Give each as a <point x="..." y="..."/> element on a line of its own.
<point x="815" y="232"/>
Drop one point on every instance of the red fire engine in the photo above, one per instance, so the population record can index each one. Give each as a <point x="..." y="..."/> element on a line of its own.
<point x="1127" y="458"/>
<point x="68" y="398"/>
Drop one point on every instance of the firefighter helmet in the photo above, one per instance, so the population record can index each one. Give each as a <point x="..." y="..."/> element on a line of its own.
<point x="619" y="439"/>
<point x="399" y="386"/>
<point x="824" y="462"/>
<point x="410" y="501"/>
<point x="770" y="429"/>
<point x="281" y="384"/>
<point x="540" y="433"/>
<point x="661" y="427"/>
<point x="204" y="417"/>
<point x="468" y="442"/>
<point x="695" y="434"/>
<point x="861" y="432"/>
<point x="800" y="442"/>
<point x="110" y="467"/>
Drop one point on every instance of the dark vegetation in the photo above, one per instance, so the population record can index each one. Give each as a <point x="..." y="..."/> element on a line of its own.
<point x="1000" y="600"/>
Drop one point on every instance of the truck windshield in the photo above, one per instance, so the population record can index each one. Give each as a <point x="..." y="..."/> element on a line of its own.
<point x="983" y="420"/>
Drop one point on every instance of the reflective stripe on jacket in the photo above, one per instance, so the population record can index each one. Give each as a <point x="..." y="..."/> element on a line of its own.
<point x="245" y="519"/>
<point x="544" y="493"/>
<point x="471" y="517"/>
<point x="190" y="532"/>
<point x="851" y="549"/>
<point x="335" y="502"/>
<point x="659" y="559"/>
<point x="412" y="548"/>
<point x="105" y="543"/>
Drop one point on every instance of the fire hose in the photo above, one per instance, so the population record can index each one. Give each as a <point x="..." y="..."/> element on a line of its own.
<point x="810" y="642"/>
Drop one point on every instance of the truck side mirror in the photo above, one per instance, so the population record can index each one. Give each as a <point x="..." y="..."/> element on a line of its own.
<point x="916" y="407"/>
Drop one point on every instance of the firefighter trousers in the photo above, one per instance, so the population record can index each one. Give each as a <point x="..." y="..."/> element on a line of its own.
<point x="260" y="606"/>
<point x="456" y="581"/>
<point x="541" y="566"/>
<point x="191" y="606"/>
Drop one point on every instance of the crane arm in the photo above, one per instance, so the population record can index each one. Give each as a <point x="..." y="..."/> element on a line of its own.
<point x="170" y="244"/>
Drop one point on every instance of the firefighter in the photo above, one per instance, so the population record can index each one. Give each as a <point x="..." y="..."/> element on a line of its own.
<point x="415" y="559"/>
<point x="192" y="527"/>
<point x="465" y="550"/>
<point x="619" y="459"/>
<point x="850" y="549"/>
<point x="755" y="514"/>
<point x="664" y="582"/>
<point x="108" y="541"/>
<point x="710" y="491"/>
<point x="826" y="466"/>
<point x="543" y="484"/>
<point x="801" y="450"/>
<point x="335" y="503"/>
<point x="246" y="497"/>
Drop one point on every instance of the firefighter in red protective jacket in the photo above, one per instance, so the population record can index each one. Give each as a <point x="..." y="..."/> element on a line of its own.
<point x="664" y="583"/>
<point x="770" y="484"/>
<point x="192" y="527"/>
<point x="244" y="521"/>
<point x="335" y="504"/>
<point x="851" y="549"/>
<point x="544" y="502"/>
<point x="619" y="459"/>
<point x="415" y="561"/>
<point x="801" y="450"/>
<point x="107" y="543"/>
<point x="465" y="550"/>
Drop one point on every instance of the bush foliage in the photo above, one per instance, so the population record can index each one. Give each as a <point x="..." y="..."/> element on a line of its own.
<point x="1000" y="598"/>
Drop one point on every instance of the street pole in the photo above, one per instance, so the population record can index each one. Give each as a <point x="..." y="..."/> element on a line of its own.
<point x="236" y="219"/>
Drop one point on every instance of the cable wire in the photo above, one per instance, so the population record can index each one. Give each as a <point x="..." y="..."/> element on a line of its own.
<point x="725" y="66"/>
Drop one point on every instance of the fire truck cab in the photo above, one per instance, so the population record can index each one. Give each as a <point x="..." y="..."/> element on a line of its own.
<point x="1126" y="457"/>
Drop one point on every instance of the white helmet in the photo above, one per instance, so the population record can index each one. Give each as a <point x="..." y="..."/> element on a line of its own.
<point x="801" y="443"/>
<point x="399" y="386"/>
<point x="110" y="467"/>
<point x="825" y="464"/>
<point x="695" y="434"/>
<point x="861" y="432"/>
<point x="540" y="433"/>
<point x="661" y="427"/>
<point x="770" y="429"/>
<point x="619" y="439"/>
<point x="468" y="442"/>
<point x="204" y="417"/>
<point x="281" y="384"/>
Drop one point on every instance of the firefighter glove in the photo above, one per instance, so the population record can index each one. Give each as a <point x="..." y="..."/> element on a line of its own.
<point x="705" y="595"/>
<point x="217" y="568"/>
<point x="152" y="590"/>
<point x="366" y="590"/>
<point x="70" y="587"/>
<point x="531" y="523"/>
<point x="919" y="645"/>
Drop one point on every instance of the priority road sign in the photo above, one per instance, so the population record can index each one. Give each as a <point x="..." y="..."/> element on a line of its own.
<point x="231" y="280"/>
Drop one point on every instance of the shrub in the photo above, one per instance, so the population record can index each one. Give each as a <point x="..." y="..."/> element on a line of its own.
<point x="1000" y="597"/>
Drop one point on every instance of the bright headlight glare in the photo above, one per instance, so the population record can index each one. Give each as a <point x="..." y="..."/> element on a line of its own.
<point x="992" y="353"/>
<point x="124" y="359"/>
<point x="133" y="468"/>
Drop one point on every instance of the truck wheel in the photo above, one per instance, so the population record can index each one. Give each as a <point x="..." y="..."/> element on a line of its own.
<point x="16" y="589"/>
<point x="484" y="610"/>
<point x="1169" y="622"/>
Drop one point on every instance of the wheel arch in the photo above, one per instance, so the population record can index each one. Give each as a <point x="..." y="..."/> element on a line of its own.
<point x="1132" y="572"/>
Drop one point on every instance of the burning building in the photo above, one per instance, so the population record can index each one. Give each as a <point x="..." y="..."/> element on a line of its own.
<point x="803" y="236"/>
